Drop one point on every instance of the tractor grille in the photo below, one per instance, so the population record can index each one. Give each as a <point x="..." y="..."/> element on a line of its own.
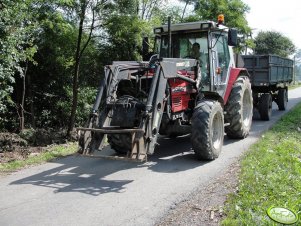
<point x="180" y="102"/>
<point x="177" y="102"/>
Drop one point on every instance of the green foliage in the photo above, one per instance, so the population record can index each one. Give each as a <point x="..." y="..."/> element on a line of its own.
<point x="16" y="44"/>
<point x="175" y="12"/>
<point x="235" y="17"/>
<point x="86" y="98"/>
<point x="233" y="10"/>
<point x="270" y="174"/>
<point x="125" y="36"/>
<point x="43" y="35"/>
<point x="273" y="42"/>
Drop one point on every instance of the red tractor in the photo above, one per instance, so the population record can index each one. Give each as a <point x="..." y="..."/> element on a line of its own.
<point x="191" y="85"/>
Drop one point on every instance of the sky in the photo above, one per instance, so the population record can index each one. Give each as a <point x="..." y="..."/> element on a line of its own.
<point x="282" y="16"/>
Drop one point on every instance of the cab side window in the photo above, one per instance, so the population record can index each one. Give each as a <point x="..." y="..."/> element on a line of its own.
<point x="223" y="56"/>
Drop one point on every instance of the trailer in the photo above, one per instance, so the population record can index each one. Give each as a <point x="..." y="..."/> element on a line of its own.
<point x="270" y="76"/>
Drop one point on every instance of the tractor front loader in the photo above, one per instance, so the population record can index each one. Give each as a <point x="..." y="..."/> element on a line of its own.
<point x="129" y="107"/>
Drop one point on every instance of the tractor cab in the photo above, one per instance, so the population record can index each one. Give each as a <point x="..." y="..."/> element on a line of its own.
<point x="208" y="42"/>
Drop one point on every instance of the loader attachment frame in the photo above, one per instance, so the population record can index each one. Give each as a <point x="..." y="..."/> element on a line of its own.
<point x="145" y="134"/>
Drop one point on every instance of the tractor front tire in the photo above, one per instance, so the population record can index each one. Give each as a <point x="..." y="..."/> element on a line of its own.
<point x="207" y="132"/>
<point x="239" y="109"/>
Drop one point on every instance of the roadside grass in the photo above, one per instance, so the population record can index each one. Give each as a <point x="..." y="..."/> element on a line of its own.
<point x="50" y="154"/>
<point x="270" y="175"/>
<point x="294" y="86"/>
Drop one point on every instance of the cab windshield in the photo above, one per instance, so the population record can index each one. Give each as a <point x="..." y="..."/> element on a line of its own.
<point x="184" y="45"/>
<point x="187" y="45"/>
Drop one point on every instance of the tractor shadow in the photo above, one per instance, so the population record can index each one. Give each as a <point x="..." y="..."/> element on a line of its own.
<point x="97" y="176"/>
<point x="79" y="174"/>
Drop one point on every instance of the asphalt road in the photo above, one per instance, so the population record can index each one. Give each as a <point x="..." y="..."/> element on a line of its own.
<point x="88" y="191"/>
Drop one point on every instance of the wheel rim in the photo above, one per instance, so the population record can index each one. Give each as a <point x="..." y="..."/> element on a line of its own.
<point x="247" y="108"/>
<point x="217" y="130"/>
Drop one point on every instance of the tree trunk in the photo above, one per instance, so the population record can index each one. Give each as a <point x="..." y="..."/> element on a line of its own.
<point x="22" y="120"/>
<point x="76" y="69"/>
<point x="31" y="101"/>
<point x="187" y="1"/>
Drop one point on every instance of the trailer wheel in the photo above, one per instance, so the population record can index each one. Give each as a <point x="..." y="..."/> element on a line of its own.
<point x="239" y="109"/>
<point x="207" y="132"/>
<point x="282" y="99"/>
<point x="265" y="106"/>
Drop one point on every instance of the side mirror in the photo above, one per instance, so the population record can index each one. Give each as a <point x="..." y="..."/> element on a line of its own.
<point x="145" y="48"/>
<point x="232" y="37"/>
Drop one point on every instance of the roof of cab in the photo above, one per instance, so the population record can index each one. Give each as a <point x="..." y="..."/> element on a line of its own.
<point x="189" y="26"/>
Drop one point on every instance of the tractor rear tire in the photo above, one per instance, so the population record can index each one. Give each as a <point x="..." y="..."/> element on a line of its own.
<point x="207" y="132"/>
<point x="282" y="99"/>
<point x="239" y="109"/>
<point x="265" y="106"/>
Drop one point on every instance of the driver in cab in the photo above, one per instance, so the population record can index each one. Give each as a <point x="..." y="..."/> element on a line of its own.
<point x="195" y="51"/>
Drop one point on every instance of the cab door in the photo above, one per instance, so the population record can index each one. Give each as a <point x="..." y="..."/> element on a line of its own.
<point x="220" y="62"/>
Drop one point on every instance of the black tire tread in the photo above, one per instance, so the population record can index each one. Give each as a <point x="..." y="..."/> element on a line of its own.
<point x="233" y="109"/>
<point x="264" y="106"/>
<point x="201" y="129"/>
<point x="121" y="143"/>
<point x="282" y="99"/>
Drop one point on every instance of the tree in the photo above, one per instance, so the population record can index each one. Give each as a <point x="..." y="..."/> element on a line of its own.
<point x="273" y="42"/>
<point x="298" y="56"/>
<point x="17" y="28"/>
<point x="86" y="14"/>
<point x="234" y="11"/>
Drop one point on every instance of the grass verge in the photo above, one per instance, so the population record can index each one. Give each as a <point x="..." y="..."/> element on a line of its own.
<point x="294" y="86"/>
<point x="270" y="175"/>
<point x="50" y="154"/>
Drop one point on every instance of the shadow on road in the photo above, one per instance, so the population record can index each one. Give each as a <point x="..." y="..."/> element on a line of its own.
<point x="89" y="175"/>
<point x="173" y="155"/>
<point x="79" y="175"/>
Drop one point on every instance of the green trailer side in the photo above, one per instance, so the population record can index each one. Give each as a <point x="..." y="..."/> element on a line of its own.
<point x="270" y="76"/>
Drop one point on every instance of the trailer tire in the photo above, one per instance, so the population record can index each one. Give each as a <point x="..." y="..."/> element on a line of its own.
<point x="282" y="99"/>
<point x="265" y="106"/>
<point x="207" y="132"/>
<point x="239" y="109"/>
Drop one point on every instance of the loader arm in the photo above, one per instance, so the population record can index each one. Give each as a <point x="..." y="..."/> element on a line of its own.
<point x="144" y="135"/>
